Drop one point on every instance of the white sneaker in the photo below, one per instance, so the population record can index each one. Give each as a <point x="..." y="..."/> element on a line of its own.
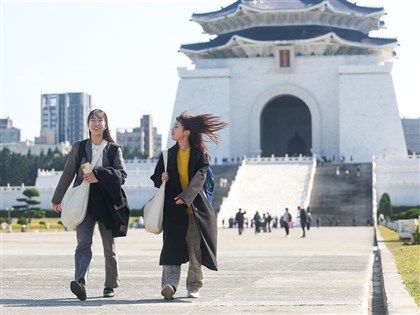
<point x="193" y="294"/>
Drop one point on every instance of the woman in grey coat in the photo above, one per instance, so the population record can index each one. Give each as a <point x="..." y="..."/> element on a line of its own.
<point x="109" y="169"/>
<point x="189" y="221"/>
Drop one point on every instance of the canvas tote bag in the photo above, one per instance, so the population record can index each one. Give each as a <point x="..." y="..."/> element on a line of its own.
<point x="153" y="210"/>
<point x="76" y="199"/>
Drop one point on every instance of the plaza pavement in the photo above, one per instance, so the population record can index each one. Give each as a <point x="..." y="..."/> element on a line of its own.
<point x="328" y="272"/>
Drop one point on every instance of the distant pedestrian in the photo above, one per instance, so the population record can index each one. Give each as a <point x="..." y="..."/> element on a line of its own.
<point x="308" y="218"/>
<point x="257" y="222"/>
<point x="285" y="219"/>
<point x="303" y="220"/>
<point x="264" y="223"/>
<point x="268" y="220"/>
<point x="240" y="218"/>
<point x="318" y="222"/>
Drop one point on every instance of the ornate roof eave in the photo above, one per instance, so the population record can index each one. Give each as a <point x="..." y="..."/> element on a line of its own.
<point x="327" y="44"/>
<point x="287" y="18"/>
<point x="238" y="7"/>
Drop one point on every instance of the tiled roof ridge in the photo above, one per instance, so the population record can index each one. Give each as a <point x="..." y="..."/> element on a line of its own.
<point x="258" y="5"/>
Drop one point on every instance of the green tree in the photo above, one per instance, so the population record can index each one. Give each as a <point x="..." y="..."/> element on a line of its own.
<point x="385" y="206"/>
<point x="29" y="207"/>
<point x="19" y="168"/>
<point x="133" y="153"/>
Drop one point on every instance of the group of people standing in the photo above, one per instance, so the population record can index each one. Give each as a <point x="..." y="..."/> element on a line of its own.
<point x="263" y="223"/>
<point x="189" y="221"/>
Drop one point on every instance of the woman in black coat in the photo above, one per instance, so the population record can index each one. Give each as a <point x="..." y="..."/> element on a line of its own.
<point x="189" y="221"/>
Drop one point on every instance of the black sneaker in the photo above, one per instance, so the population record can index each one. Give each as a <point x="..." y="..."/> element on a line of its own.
<point x="109" y="292"/>
<point x="78" y="289"/>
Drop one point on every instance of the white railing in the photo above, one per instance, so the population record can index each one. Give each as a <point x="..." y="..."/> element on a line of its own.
<point x="309" y="181"/>
<point x="278" y="159"/>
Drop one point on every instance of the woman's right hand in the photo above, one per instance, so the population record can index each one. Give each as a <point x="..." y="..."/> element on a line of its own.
<point x="57" y="207"/>
<point x="165" y="177"/>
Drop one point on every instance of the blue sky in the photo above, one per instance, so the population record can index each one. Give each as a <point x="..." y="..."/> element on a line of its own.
<point x="125" y="54"/>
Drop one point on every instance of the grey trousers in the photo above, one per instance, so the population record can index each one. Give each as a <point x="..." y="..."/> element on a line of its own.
<point x="171" y="274"/>
<point x="83" y="253"/>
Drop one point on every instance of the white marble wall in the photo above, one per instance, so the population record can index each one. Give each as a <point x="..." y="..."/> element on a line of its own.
<point x="347" y="97"/>
<point x="399" y="176"/>
<point x="138" y="187"/>
<point x="369" y="118"/>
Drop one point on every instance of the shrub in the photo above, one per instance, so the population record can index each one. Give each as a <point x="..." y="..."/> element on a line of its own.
<point x="22" y="221"/>
<point x="412" y="213"/>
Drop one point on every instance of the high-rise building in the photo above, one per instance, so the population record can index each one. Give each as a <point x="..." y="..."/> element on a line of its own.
<point x="63" y="117"/>
<point x="144" y="139"/>
<point x="146" y="122"/>
<point x="8" y="133"/>
<point x="131" y="138"/>
<point x="157" y="142"/>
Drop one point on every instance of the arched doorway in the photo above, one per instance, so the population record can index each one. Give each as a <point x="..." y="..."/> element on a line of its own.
<point x="286" y="127"/>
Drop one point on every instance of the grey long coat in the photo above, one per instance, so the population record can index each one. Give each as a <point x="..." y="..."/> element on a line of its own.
<point x="175" y="217"/>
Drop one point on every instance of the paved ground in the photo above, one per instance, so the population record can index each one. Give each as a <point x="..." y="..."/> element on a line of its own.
<point x="328" y="272"/>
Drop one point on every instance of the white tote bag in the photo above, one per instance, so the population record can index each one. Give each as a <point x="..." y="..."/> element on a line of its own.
<point x="75" y="204"/>
<point x="153" y="210"/>
<point x="76" y="199"/>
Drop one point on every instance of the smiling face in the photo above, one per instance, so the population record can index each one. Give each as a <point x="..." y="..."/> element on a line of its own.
<point x="97" y="125"/>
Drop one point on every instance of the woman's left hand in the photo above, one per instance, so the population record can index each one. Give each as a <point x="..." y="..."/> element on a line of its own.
<point x="179" y="201"/>
<point x="90" y="178"/>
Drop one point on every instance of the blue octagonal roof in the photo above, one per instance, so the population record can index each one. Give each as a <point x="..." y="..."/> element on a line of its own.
<point x="290" y="33"/>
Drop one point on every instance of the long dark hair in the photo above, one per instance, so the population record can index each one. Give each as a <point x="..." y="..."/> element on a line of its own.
<point x="101" y="114"/>
<point x="202" y="125"/>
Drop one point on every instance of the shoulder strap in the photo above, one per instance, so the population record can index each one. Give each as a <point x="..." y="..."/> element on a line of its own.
<point x="112" y="152"/>
<point x="165" y="158"/>
<point x="81" y="152"/>
<point x="97" y="157"/>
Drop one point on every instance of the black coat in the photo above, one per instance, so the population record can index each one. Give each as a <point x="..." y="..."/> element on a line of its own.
<point x="108" y="202"/>
<point x="175" y="217"/>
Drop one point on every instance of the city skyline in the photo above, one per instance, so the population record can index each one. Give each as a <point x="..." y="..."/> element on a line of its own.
<point x="125" y="55"/>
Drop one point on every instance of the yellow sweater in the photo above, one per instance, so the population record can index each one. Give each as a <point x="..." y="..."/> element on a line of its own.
<point x="182" y="163"/>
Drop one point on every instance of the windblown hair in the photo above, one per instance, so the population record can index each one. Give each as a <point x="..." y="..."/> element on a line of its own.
<point x="202" y="125"/>
<point x="101" y="114"/>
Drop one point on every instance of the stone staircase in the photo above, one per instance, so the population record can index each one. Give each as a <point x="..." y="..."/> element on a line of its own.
<point x="344" y="196"/>
<point x="267" y="186"/>
<point x="222" y="171"/>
